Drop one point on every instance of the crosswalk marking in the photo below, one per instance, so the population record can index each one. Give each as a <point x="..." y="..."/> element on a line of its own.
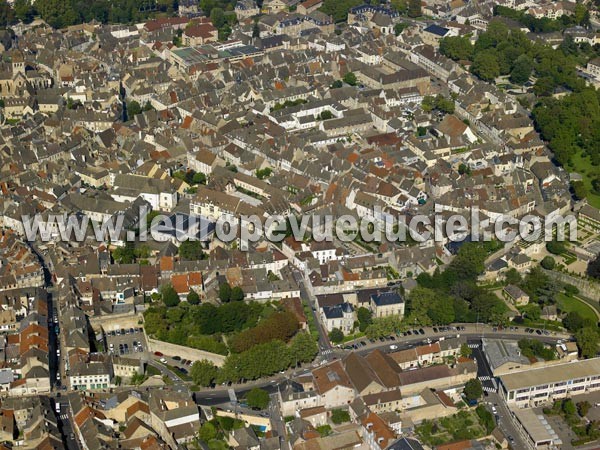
<point x="326" y="352"/>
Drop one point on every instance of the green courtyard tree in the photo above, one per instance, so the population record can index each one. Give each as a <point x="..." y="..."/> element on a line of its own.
<point x="350" y="78"/>
<point x="473" y="389"/>
<point x="225" y="292"/>
<point x="336" y="336"/>
<point x="169" y="296"/>
<point x="193" y="298"/>
<point x="548" y="263"/>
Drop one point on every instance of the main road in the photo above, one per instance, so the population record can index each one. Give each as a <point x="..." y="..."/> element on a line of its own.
<point x="219" y="395"/>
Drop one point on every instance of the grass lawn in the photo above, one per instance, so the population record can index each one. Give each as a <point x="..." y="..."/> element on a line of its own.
<point x="463" y="425"/>
<point x="583" y="166"/>
<point x="568" y="304"/>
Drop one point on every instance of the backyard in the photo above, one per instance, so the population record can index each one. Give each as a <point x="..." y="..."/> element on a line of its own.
<point x="463" y="425"/>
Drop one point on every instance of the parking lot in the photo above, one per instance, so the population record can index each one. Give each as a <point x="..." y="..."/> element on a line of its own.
<point x="126" y="341"/>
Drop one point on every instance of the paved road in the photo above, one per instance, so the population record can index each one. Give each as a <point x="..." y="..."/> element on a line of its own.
<point x="65" y="419"/>
<point x="308" y="298"/>
<point x="471" y="331"/>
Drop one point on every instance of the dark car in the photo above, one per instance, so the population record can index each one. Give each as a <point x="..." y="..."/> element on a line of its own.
<point x="435" y="330"/>
<point x="158" y="354"/>
<point x="539" y="332"/>
<point x="177" y="358"/>
<point x="409" y="333"/>
<point x="363" y="343"/>
<point x="421" y="331"/>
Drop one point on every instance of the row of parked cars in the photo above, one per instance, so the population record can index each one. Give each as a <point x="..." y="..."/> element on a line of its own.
<point x="124" y="331"/>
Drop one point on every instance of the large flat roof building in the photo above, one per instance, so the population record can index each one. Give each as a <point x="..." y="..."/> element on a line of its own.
<point x="535" y="387"/>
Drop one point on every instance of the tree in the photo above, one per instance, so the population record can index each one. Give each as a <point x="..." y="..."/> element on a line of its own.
<point x="465" y="350"/>
<point x="255" y="30"/>
<point x="485" y="65"/>
<point x="237" y="294"/>
<point x="191" y="250"/>
<point x="280" y="325"/>
<point x="337" y="84"/>
<point x="521" y="71"/>
<point x="7" y="14"/>
<point x="593" y="268"/>
<point x="350" y="79"/>
<point x="486" y="418"/>
<point x="258" y="398"/>
<point x="225" y="292"/>
<point x="365" y="318"/>
<point x="326" y="115"/>
<point x="568" y="407"/>
<point x="24" y="10"/>
<point x="463" y="169"/>
<point x="339" y="416"/>
<point x="262" y="174"/>
<point x="133" y="108"/>
<point x="587" y="340"/>
<point x="169" y="296"/>
<point x="336" y="336"/>
<point x="399" y="28"/>
<point x="193" y="298"/>
<point x="303" y="347"/>
<point x="457" y="48"/>
<point x="512" y="276"/>
<point x="57" y="13"/>
<point x="556" y="247"/>
<point x="207" y="432"/>
<point x="400" y="5"/>
<point x="579" y="190"/>
<point x="583" y="408"/>
<point x="217" y="17"/>
<point x="414" y="8"/>
<point x="473" y="389"/>
<point x="199" y="178"/>
<point x="548" y="263"/>
<point x="203" y="372"/>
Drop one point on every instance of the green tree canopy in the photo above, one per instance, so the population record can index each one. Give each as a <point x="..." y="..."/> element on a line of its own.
<point x="485" y="66"/>
<point x="336" y="336"/>
<point x="193" y="298"/>
<point x="169" y="296"/>
<point x="303" y="347"/>
<point x="521" y="70"/>
<point x="548" y="263"/>
<point x="258" y="398"/>
<point x="203" y="372"/>
<point x="191" y="250"/>
<point x="457" y="47"/>
<point x="587" y="341"/>
<point x="225" y="292"/>
<point x="473" y="389"/>
<point x="350" y="78"/>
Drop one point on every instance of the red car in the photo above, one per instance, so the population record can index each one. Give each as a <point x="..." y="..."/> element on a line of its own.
<point x="158" y="354"/>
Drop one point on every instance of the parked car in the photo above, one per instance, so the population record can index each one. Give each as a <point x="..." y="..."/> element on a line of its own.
<point x="158" y="354"/>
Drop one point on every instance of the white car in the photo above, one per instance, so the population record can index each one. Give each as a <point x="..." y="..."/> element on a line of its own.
<point x="393" y="347"/>
<point x="163" y="360"/>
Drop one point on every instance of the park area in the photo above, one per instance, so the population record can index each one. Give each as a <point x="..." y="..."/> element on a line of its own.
<point x="583" y="166"/>
<point x="568" y="304"/>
